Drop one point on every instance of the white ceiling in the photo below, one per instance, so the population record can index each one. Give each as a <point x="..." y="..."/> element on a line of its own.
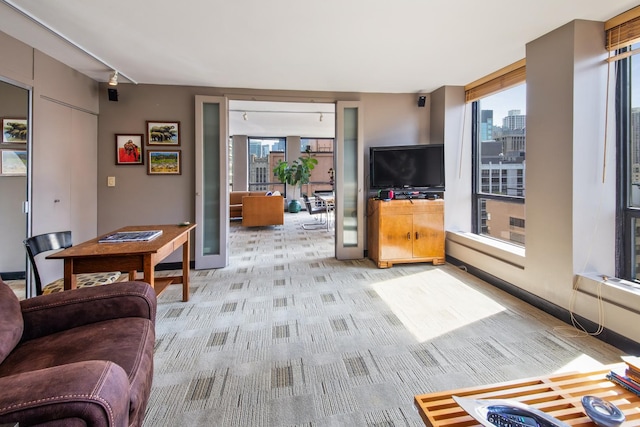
<point x="401" y="46"/>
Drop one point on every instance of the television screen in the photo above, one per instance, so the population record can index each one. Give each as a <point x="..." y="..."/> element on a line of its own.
<point x="408" y="166"/>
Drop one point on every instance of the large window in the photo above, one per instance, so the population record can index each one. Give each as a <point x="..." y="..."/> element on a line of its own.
<point x="264" y="155"/>
<point x="628" y="135"/>
<point x="322" y="176"/>
<point x="499" y="148"/>
<point x="623" y="42"/>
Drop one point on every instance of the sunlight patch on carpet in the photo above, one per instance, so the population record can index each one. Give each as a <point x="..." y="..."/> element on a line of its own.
<point x="422" y="302"/>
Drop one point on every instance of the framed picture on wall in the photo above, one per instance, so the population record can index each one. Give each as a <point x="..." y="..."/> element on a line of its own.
<point x="164" y="162"/>
<point x="14" y="131"/>
<point x="129" y="149"/>
<point x="163" y="133"/>
<point x="13" y="163"/>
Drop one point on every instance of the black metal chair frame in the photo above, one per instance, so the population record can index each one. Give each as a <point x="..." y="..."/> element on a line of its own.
<point x="314" y="209"/>
<point x="36" y="245"/>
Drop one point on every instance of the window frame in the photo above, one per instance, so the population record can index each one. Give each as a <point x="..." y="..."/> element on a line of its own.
<point x="625" y="213"/>
<point x="476" y="195"/>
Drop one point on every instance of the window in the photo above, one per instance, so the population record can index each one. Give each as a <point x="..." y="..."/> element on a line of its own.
<point x="322" y="176"/>
<point x="623" y="42"/>
<point x="264" y="155"/>
<point x="628" y="136"/>
<point x="499" y="148"/>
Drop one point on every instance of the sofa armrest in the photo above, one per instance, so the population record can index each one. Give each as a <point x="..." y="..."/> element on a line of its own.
<point x="47" y="314"/>
<point x="95" y="392"/>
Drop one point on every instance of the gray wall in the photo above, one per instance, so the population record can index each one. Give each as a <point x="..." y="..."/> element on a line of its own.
<point x="570" y="211"/>
<point x="64" y="120"/>
<point x="139" y="198"/>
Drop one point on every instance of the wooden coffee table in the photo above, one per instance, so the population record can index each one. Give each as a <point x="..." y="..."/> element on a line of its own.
<point x="557" y="395"/>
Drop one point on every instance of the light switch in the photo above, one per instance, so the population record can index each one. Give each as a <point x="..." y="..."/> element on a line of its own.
<point x="111" y="181"/>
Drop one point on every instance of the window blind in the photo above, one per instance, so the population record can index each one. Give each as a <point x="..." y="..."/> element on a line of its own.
<point x="622" y="31"/>
<point x="509" y="76"/>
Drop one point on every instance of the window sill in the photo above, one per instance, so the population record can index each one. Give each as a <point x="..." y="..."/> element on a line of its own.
<point x="623" y="293"/>
<point x="506" y="252"/>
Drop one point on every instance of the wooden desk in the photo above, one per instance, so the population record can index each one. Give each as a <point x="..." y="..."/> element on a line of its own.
<point x="94" y="257"/>
<point x="558" y="395"/>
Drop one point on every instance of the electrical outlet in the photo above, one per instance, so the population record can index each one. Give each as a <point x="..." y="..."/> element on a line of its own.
<point x="111" y="181"/>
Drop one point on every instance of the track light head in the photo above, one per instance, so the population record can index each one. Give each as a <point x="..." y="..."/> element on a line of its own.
<point x="244" y="116"/>
<point x="113" y="80"/>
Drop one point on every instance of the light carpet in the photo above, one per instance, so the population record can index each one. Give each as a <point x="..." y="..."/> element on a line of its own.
<point x="287" y="335"/>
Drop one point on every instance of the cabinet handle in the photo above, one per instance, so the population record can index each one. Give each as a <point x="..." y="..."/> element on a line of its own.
<point x="409" y="235"/>
<point x="417" y="235"/>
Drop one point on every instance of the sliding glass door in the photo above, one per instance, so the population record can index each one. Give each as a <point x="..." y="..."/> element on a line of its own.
<point x="349" y="180"/>
<point x="212" y="181"/>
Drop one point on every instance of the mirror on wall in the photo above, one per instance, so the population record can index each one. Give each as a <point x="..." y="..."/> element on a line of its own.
<point x="14" y="113"/>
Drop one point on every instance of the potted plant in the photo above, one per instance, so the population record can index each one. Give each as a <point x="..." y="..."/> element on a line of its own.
<point x="296" y="174"/>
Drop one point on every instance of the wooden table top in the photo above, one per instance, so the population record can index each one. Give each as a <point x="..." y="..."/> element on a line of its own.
<point x="92" y="248"/>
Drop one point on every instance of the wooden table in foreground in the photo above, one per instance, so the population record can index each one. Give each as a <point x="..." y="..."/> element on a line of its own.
<point x="94" y="257"/>
<point x="557" y="395"/>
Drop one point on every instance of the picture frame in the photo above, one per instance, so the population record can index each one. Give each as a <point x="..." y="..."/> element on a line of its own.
<point x="129" y="149"/>
<point x="163" y="133"/>
<point x="13" y="162"/>
<point x="164" y="162"/>
<point x="14" y="131"/>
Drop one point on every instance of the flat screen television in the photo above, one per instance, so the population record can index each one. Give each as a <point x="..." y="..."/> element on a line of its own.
<point x="419" y="167"/>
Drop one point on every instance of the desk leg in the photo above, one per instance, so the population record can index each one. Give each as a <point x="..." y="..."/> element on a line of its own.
<point x="149" y="274"/>
<point x="186" y="248"/>
<point x="69" y="277"/>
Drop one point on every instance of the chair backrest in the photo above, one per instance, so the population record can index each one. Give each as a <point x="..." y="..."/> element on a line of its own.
<point x="312" y="207"/>
<point x="43" y="243"/>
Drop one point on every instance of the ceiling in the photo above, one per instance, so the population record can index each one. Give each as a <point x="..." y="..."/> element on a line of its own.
<point x="280" y="119"/>
<point x="402" y="46"/>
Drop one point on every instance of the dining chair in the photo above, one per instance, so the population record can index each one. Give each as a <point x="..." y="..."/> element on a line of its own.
<point x="314" y="209"/>
<point x="41" y="243"/>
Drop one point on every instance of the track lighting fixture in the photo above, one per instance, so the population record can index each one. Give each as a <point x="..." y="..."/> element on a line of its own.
<point x="244" y="116"/>
<point x="113" y="80"/>
<point x="321" y="116"/>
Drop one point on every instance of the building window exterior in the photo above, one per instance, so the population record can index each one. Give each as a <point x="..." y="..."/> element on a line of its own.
<point x="499" y="160"/>
<point x="264" y="154"/>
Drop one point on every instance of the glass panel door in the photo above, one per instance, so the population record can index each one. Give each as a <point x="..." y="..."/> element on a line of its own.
<point x="212" y="199"/>
<point x="349" y="181"/>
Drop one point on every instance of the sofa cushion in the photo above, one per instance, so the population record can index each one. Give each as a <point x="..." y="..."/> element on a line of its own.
<point x="128" y="342"/>
<point x="11" y="323"/>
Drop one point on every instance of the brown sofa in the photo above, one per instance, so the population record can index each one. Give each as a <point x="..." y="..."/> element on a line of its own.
<point x="235" y="201"/>
<point x="262" y="210"/>
<point x="77" y="358"/>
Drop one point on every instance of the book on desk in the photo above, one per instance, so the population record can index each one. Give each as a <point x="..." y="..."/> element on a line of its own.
<point x="130" y="236"/>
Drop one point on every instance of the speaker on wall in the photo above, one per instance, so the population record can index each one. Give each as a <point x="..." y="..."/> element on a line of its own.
<point x="422" y="101"/>
<point x="113" y="94"/>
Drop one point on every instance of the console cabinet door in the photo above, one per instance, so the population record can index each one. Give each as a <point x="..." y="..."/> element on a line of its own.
<point x="396" y="241"/>
<point x="428" y="235"/>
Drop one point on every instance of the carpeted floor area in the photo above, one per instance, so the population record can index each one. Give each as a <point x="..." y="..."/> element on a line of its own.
<point x="287" y="335"/>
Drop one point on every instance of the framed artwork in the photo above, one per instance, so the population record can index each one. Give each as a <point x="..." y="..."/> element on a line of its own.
<point x="14" y="131"/>
<point x="13" y="163"/>
<point x="163" y="133"/>
<point x="129" y="149"/>
<point x="164" y="162"/>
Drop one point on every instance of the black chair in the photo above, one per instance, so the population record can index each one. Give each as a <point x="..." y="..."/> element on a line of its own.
<point x="60" y="240"/>
<point x="314" y="209"/>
